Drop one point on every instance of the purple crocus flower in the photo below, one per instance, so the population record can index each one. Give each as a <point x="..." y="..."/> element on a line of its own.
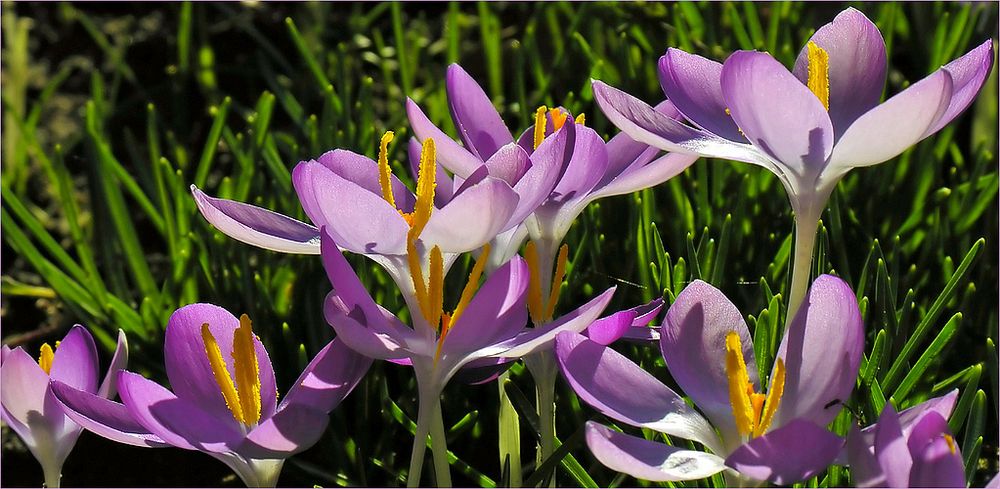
<point x="590" y="169"/>
<point x="29" y="407"/>
<point x="224" y="400"/>
<point x="809" y="126"/>
<point x="777" y="436"/>
<point x="487" y="326"/>
<point x="917" y="450"/>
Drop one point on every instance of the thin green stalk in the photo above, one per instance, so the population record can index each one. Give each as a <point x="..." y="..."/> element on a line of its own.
<point x="806" y="225"/>
<point x="419" y="446"/>
<point x="510" y="435"/>
<point x="439" y="446"/>
<point x="545" y="392"/>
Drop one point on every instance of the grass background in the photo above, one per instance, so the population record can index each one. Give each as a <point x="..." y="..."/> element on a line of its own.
<point x="111" y="111"/>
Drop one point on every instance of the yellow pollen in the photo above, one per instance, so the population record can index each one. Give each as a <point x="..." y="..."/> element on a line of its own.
<point x="426" y="181"/>
<point x="417" y="274"/>
<point x="557" y="279"/>
<point x="951" y="443"/>
<point x="222" y="377"/>
<point x="558" y="118"/>
<point x="819" y="73"/>
<point x="435" y="288"/>
<point x="581" y="119"/>
<point x="736" y="371"/>
<point x="46" y="356"/>
<point x="729" y="112"/>
<point x="384" y="172"/>
<point x="247" y="371"/>
<point x="774" y="393"/>
<point x="539" y="126"/>
<point x="535" y="307"/>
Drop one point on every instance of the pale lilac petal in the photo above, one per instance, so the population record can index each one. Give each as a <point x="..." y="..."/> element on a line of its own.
<point x="109" y="386"/>
<point x="865" y="471"/>
<point x="968" y="74"/>
<point x="75" y="360"/>
<point x="4" y="350"/>
<point x="539" y="178"/>
<point x="693" y="84"/>
<point x="478" y="122"/>
<point x="936" y="465"/>
<point x="693" y="342"/>
<point x="364" y="340"/>
<point x="346" y="284"/>
<point x="291" y="430"/>
<point x="257" y="226"/>
<point x="796" y="451"/>
<point x="359" y="220"/>
<point x="822" y="353"/>
<point x="541" y="336"/>
<point x="644" y="124"/>
<point x="890" y="448"/>
<point x="610" y="328"/>
<point x="857" y="66"/>
<point x="776" y="112"/>
<point x="648" y="460"/>
<point x="647" y="176"/>
<point x="908" y="418"/>
<point x="329" y="378"/>
<point x="364" y="172"/>
<point x="994" y="482"/>
<point x="508" y="163"/>
<point x="620" y="389"/>
<point x="472" y="218"/>
<point x="106" y="418"/>
<point x="585" y="168"/>
<point x="900" y="122"/>
<point x="176" y="421"/>
<point x="482" y="370"/>
<point x="450" y="154"/>
<point x="495" y="313"/>
<point x="189" y="370"/>
<point x="24" y="386"/>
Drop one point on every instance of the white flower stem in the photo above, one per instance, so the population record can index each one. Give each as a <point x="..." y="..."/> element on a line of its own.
<point x="429" y="422"/>
<point x="510" y="434"/>
<point x="419" y="447"/>
<point x="806" y="224"/>
<point x="53" y="475"/>
<point x="439" y="446"/>
<point x="545" y="392"/>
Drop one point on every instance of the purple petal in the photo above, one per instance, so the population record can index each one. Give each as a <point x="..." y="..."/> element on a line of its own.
<point x="109" y="386"/>
<point x="177" y="421"/>
<point x="482" y="370"/>
<point x="472" y="218"/>
<point x="625" y="153"/>
<point x="620" y="324"/>
<point x="189" y="370"/>
<point x="75" y="361"/>
<point x="478" y="122"/>
<point x="450" y="154"/>
<point x="622" y="390"/>
<point x="647" y="460"/>
<point x="796" y="451"/>
<point x="539" y="178"/>
<point x="776" y="112"/>
<point x="693" y="84"/>
<point x="359" y="220"/>
<point x="693" y="342"/>
<point x="890" y="448"/>
<point x="936" y="463"/>
<point x="541" y="337"/>
<point x="856" y="63"/>
<point x="496" y="313"/>
<point x="24" y="386"/>
<point x="650" y="175"/>
<point x="4" y="350"/>
<point x="291" y="430"/>
<point x="508" y="163"/>
<point x="363" y="172"/>
<point x="968" y="74"/>
<point x="109" y="419"/>
<point x="822" y="353"/>
<point x="909" y="418"/>
<point x="257" y="226"/>
<point x="900" y="122"/>
<point x="329" y="378"/>
<point x="586" y="167"/>
<point x="366" y="341"/>
<point x="644" y="124"/>
<point x="865" y="471"/>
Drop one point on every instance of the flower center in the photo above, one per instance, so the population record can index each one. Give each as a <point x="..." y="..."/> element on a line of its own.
<point x="819" y="73"/>
<point x="753" y="411"/>
<point x="45" y="357"/>
<point x="558" y="119"/>
<point x="242" y="396"/>
<point x="541" y="309"/>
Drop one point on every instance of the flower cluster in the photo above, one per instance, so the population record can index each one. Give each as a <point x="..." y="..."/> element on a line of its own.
<point x="510" y="202"/>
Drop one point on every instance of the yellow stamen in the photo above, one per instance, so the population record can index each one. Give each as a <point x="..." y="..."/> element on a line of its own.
<point x="247" y="371"/>
<point x="384" y="172"/>
<point x="221" y="374"/>
<point x="951" y="443"/>
<point x="558" y="118"/>
<point x="729" y="112"/>
<point x="417" y="274"/>
<point x="46" y="356"/>
<point x="535" y="306"/>
<point x="774" y="393"/>
<point x="736" y="370"/>
<point x="539" y="126"/>
<point x="819" y="73"/>
<point x="435" y="289"/>
<point x="426" y="178"/>
<point x="472" y="285"/>
<point x="581" y="119"/>
<point x="550" y="307"/>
